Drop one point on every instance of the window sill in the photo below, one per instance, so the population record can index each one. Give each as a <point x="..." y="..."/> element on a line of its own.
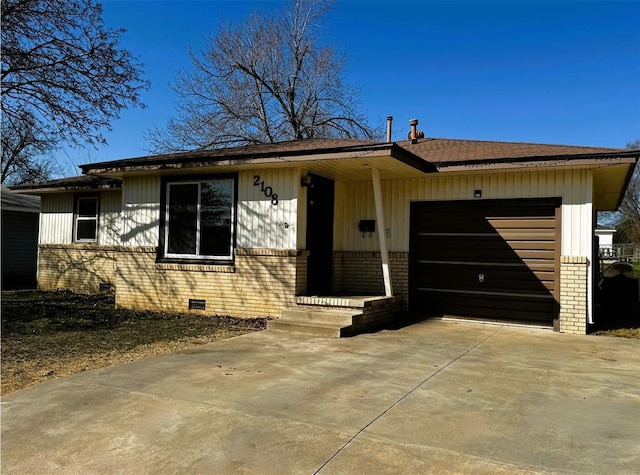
<point x="220" y="268"/>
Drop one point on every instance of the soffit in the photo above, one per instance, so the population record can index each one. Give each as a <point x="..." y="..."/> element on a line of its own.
<point x="609" y="185"/>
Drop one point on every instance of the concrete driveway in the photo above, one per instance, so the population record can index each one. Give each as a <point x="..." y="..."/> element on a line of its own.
<point x="434" y="397"/>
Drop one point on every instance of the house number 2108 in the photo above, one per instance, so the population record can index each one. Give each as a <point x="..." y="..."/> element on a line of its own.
<point x="267" y="190"/>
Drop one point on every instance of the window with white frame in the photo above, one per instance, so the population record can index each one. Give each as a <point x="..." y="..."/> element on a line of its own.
<point x="199" y="219"/>
<point x="86" y="219"/>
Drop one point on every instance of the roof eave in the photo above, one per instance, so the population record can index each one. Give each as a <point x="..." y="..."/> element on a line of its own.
<point x="118" y="168"/>
<point x="547" y="161"/>
<point x="36" y="189"/>
<point x="20" y="209"/>
<point x="627" y="181"/>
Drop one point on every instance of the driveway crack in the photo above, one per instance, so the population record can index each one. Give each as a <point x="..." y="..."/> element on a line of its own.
<point x="398" y="401"/>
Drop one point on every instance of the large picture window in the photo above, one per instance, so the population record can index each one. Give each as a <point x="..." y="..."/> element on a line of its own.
<point x="86" y="219"/>
<point x="199" y="219"/>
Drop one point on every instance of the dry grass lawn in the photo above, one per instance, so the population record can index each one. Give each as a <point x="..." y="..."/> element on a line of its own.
<point x="52" y="334"/>
<point x="621" y="332"/>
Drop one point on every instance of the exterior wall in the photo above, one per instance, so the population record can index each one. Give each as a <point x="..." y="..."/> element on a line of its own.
<point x="261" y="223"/>
<point x="356" y="267"/>
<point x="140" y="211"/>
<point x="261" y="283"/>
<point x="56" y="218"/>
<point x="77" y="267"/>
<point x="109" y="222"/>
<point x="573" y="294"/>
<point x="606" y="238"/>
<point x="354" y="201"/>
<point x="80" y="267"/>
<point x="360" y="273"/>
<point x="19" y="249"/>
<point x="267" y="274"/>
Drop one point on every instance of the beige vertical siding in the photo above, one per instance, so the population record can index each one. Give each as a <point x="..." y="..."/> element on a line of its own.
<point x="261" y="223"/>
<point x="140" y="211"/>
<point x="110" y="223"/>
<point x="56" y="218"/>
<point x="354" y="201"/>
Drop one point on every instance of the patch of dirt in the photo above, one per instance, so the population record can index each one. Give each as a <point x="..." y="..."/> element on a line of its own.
<point x="621" y="332"/>
<point x="47" y="335"/>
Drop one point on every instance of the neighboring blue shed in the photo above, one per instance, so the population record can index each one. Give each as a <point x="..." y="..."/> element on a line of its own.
<point x="19" y="229"/>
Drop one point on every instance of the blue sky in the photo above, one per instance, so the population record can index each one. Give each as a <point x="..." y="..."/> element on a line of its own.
<point x="553" y="72"/>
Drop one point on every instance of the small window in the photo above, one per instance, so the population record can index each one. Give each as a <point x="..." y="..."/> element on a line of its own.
<point x="199" y="218"/>
<point x="86" y="219"/>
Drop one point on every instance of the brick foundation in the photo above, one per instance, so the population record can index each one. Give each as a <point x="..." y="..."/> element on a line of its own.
<point x="262" y="282"/>
<point x="77" y="267"/>
<point x="573" y="294"/>
<point x="360" y="273"/>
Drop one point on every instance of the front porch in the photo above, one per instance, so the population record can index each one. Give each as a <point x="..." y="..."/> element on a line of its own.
<point x="337" y="316"/>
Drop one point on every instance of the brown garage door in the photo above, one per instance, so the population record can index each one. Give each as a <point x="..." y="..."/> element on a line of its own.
<point x="492" y="259"/>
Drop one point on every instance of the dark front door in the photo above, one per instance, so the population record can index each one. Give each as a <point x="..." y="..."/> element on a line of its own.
<point x="320" y="235"/>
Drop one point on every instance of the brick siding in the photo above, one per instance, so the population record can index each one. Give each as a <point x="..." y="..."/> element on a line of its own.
<point x="77" y="267"/>
<point x="360" y="273"/>
<point x="378" y="314"/>
<point x="261" y="282"/>
<point x="573" y="294"/>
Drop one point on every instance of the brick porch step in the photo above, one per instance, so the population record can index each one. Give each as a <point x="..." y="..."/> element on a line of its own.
<point x="336" y="317"/>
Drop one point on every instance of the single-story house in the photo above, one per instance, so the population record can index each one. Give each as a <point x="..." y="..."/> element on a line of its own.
<point x="604" y="235"/>
<point x="20" y="219"/>
<point x="463" y="228"/>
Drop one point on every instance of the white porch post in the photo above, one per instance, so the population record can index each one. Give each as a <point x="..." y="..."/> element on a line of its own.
<point x="377" y="196"/>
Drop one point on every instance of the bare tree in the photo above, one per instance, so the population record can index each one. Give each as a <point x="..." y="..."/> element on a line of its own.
<point x="628" y="225"/>
<point x="24" y="151"/>
<point x="63" y="75"/>
<point x="264" y="80"/>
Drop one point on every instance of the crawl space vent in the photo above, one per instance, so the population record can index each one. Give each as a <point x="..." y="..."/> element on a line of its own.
<point x="105" y="287"/>
<point x="197" y="304"/>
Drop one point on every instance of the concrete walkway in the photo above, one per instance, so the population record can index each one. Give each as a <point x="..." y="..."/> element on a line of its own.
<point x="434" y="397"/>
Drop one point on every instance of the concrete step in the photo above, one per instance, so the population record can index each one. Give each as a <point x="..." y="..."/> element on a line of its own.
<point x="328" y="330"/>
<point x="344" y="317"/>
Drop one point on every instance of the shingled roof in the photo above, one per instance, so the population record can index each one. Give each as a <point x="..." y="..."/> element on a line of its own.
<point x="283" y="149"/>
<point x="14" y="202"/>
<point x="440" y="152"/>
<point x="446" y="152"/>
<point x="426" y="154"/>
<point x="81" y="182"/>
